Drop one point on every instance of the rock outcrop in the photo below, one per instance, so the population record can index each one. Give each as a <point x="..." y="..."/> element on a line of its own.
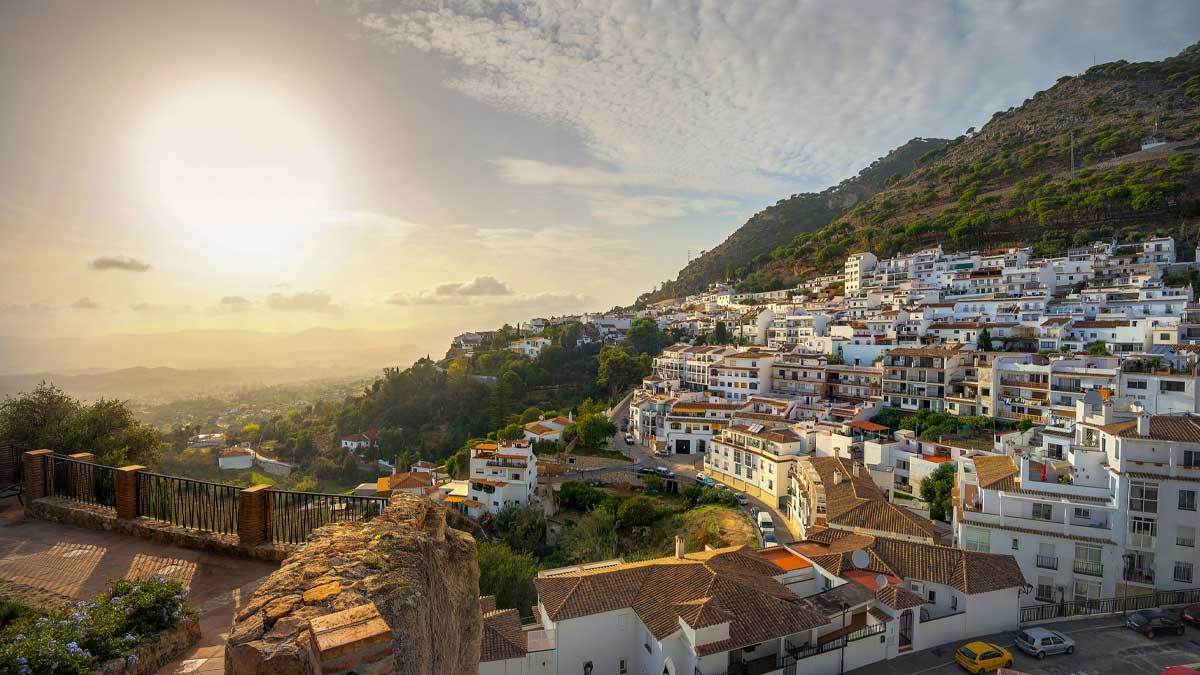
<point x="419" y="574"/>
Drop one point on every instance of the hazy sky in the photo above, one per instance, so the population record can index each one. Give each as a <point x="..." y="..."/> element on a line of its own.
<point x="443" y="165"/>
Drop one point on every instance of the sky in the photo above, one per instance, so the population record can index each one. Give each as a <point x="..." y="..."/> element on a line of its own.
<point x="434" y="166"/>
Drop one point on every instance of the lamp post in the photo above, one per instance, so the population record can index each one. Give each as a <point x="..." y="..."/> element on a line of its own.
<point x="842" y="651"/>
<point x="1127" y="563"/>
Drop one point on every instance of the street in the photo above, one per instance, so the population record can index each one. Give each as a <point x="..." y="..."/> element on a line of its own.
<point x="1104" y="646"/>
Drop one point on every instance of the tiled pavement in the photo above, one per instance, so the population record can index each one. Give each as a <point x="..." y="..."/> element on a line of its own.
<point x="79" y="563"/>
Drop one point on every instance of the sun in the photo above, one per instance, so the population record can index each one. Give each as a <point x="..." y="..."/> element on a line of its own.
<point x="236" y="166"/>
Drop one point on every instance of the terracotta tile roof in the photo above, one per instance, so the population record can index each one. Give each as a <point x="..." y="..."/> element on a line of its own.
<point x="705" y="586"/>
<point x="502" y="635"/>
<point x="996" y="472"/>
<point x="898" y="597"/>
<point x="1142" y="475"/>
<point x="968" y="571"/>
<point x="1043" y="533"/>
<point x="856" y="502"/>
<point x="410" y="479"/>
<point x="1177" y="428"/>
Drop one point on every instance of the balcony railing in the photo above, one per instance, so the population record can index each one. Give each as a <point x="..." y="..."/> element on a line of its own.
<point x="1092" y="569"/>
<point x="1145" y="576"/>
<point x="1047" y="562"/>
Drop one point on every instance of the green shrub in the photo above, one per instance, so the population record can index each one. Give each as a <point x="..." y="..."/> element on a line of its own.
<point x="78" y="639"/>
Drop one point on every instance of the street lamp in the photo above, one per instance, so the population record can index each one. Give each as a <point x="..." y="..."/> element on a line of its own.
<point x="1127" y="560"/>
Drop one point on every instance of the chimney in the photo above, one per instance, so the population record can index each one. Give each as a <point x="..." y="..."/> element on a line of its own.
<point x="680" y="547"/>
<point x="1143" y="423"/>
<point x="837" y="477"/>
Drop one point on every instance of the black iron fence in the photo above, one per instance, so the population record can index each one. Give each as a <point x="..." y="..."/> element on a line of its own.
<point x="212" y="507"/>
<point x="292" y="516"/>
<point x="11" y="467"/>
<point x="795" y="654"/>
<point x="1130" y="603"/>
<point x="79" y="481"/>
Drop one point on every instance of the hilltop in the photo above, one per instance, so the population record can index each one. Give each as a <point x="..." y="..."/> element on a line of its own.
<point x="1007" y="183"/>
<point x="779" y="223"/>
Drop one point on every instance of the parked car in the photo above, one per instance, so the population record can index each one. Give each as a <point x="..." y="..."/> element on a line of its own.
<point x="1152" y="622"/>
<point x="662" y="453"/>
<point x="769" y="539"/>
<point x="702" y="478"/>
<point x="628" y="439"/>
<point x="754" y="513"/>
<point x="1039" y="642"/>
<point x="979" y="657"/>
<point x="1191" y="614"/>
<point x="741" y="499"/>
<point x="664" y="472"/>
<point x="645" y="470"/>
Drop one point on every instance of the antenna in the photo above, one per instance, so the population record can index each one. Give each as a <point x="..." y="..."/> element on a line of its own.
<point x="860" y="559"/>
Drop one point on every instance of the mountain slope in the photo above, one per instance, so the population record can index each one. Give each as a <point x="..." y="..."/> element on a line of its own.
<point x="778" y="224"/>
<point x="1011" y="183"/>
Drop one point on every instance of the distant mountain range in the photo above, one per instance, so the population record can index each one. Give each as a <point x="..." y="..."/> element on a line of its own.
<point x="1065" y="167"/>
<point x="192" y="361"/>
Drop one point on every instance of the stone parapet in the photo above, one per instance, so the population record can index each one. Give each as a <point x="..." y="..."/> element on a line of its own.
<point x="399" y="593"/>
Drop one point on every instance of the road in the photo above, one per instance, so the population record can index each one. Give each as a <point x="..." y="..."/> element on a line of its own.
<point x="1104" y="646"/>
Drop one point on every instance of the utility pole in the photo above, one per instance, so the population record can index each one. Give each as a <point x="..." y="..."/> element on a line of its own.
<point x="1072" y="152"/>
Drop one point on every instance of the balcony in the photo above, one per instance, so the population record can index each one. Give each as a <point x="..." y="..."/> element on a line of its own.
<point x="1091" y="569"/>
<point x="1047" y="562"/>
<point x="1023" y="384"/>
<point x="1144" y="576"/>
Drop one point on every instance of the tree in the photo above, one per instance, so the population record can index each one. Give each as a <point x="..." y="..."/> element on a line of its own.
<point x="1097" y="348"/>
<point x="644" y="337"/>
<point x="576" y="495"/>
<point x="511" y="432"/>
<point x="984" y="341"/>
<point x="721" y="334"/>
<point x="594" y="537"/>
<point x="618" y="370"/>
<point x="508" y="575"/>
<point x="531" y="414"/>
<point x="594" y="429"/>
<point x="48" y="417"/>
<point x="638" y="511"/>
<point x="936" y="488"/>
<point x="522" y="528"/>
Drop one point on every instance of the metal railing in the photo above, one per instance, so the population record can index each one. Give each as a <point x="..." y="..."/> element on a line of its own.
<point x="798" y="654"/>
<point x="1047" y="562"/>
<point x="1089" y="568"/>
<point x="79" y="481"/>
<point x="11" y="467"/>
<point x="292" y="516"/>
<point x="200" y="505"/>
<point x="1109" y="605"/>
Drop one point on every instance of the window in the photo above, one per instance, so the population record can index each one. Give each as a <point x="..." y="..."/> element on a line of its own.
<point x="1142" y="531"/>
<point x="1143" y="497"/>
<point x="1170" y="385"/>
<point x="1187" y="500"/>
<point x="1183" y="572"/>
<point x="954" y="602"/>
<point x="1136" y="384"/>
<point x="1191" y="458"/>
<point x="1042" y="512"/>
<point x="1186" y="536"/>
<point x="977" y="539"/>
<point x="1086" y="590"/>
<point x="1045" y="589"/>
<point x="932" y="595"/>
<point x="1083" y="514"/>
<point x="623" y="667"/>
<point x="1016" y="544"/>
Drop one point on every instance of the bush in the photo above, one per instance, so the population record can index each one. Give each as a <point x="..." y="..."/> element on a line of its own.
<point x="77" y="640"/>
<point x="637" y="512"/>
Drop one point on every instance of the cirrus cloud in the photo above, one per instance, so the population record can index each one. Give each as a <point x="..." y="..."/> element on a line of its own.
<point x="85" y="303"/>
<point x="305" y="301"/>
<point x="480" y="285"/>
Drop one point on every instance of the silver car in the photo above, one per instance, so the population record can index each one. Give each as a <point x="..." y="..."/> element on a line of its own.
<point x="1040" y="641"/>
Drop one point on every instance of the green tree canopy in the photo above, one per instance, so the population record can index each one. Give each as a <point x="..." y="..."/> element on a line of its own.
<point x="522" y="528"/>
<point x="618" y="370"/>
<point x="644" y="337"/>
<point x="935" y="490"/>
<point x="508" y="575"/>
<point x="595" y="428"/>
<point x="984" y="341"/>
<point x="48" y="417"/>
<point x="594" y="537"/>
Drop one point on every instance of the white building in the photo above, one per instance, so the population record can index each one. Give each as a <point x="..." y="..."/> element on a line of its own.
<point x="502" y="475"/>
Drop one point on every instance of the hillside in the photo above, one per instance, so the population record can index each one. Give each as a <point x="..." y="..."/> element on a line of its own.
<point x="1010" y="182"/>
<point x="778" y="224"/>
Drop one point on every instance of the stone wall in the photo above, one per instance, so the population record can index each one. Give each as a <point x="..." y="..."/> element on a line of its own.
<point x="160" y="650"/>
<point x="397" y="594"/>
<point x="60" y="510"/>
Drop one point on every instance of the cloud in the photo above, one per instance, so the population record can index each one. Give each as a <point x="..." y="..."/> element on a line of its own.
<point x="308" y="301"/>
<point x="142" y="307"/>
<point x="758" y="98"/>
<point x="85" y="303"/>
<point x="123" y="263"/>
<point x="234" y="301"/>
<point x="480" y="285"/>
<point x="26" y="309"/>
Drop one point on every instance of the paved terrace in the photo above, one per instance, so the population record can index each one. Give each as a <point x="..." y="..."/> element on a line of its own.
<point x="78" y="563"/>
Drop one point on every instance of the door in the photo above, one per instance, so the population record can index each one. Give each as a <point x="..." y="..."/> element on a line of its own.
<point x="906" y="621"/>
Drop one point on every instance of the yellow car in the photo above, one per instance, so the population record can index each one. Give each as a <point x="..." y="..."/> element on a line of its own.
<point x="981" y="657"/>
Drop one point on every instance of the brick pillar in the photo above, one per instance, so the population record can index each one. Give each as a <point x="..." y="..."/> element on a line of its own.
<point x="253" y="515"/>
<point x="35" y="473"/>
<point x="127" y="492"/>
<point x="355" y="640"/>
<point x="83" y="485"/>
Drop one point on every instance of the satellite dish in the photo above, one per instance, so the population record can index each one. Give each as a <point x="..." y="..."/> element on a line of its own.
<point x="860" y="559"/>
<point x="881" y="581"/>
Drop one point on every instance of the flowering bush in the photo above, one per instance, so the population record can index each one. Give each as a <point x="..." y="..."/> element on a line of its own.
<point x="81" y="637"/>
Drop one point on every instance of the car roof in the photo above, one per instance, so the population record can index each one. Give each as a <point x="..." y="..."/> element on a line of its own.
<point x="977" y="646"/>
<point x="1037" y="632"/>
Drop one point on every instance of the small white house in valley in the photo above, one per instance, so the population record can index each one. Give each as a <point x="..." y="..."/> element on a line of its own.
<point x="236" y="457"/>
